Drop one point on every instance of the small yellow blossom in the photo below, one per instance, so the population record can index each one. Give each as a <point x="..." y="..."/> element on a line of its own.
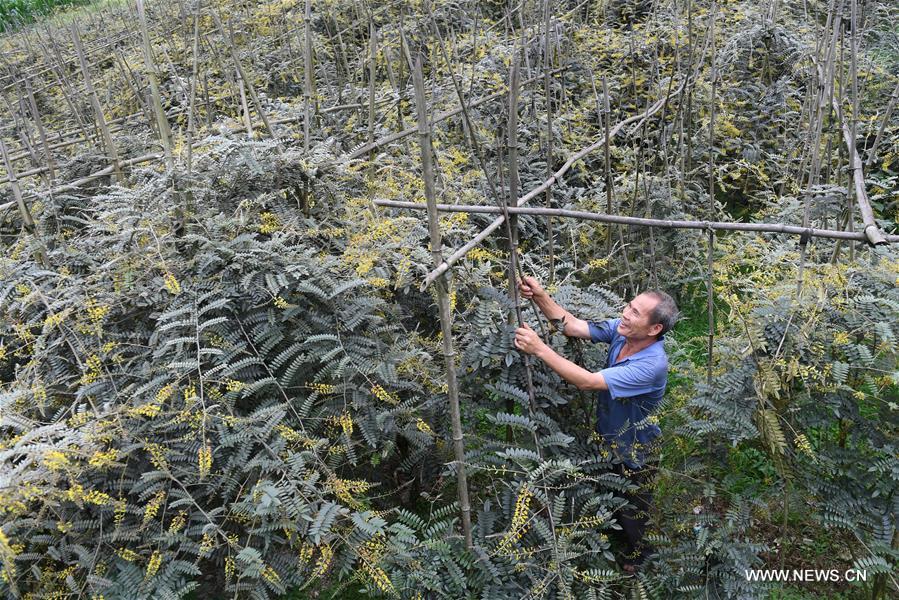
<point x="269" y="223"/>
<point x="171" y="284"/>
<point x="205" y="460"/>
<point x="152" y="508"/>
<point x="56" y="460"/>
<point x="383" y="395"/>
<point x="154" y="564"/>
<point x="324" y="561"/>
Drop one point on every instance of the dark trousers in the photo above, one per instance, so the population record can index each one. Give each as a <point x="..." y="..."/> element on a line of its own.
<point x="635" y="515"/>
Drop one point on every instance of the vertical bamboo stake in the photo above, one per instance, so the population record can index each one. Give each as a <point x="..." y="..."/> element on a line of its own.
<point x="41" y="131"/>
<point x="712" y="108"/>
<point x="165" y="132"/>
<point x="373" y="50"/>
<point x="229" y="39"/>
<point x="610" y="184"/>
<point x="711" y="304"/>
<point x="853" y="124"/>
<point x="424" y="133"/>
<point x="191" y="118"/>
<point x="872" y="153"/>
<point x="547" y="14"/>
<point x="24" y="212"/>
<point x="606" y="159"/>
<point x="307" y="72"/>
<point x="244" y="107"/>
<point x="95" y="103"/>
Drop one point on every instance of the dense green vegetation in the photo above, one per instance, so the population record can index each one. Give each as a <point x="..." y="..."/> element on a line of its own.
<point x="15" y="13"/>
<point x="220" y="378"/>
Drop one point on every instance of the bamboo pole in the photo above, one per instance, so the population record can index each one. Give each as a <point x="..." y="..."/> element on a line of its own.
<point x="48" y="157"/>
<point x="251" y="90"/>
<point x="638" y="221"/>
<point x="24" y="212"/>
<point x="872" y="153"/>
<point x="307" y="72"/>
<point x="547" y="19"/>
<point x="443" y="302"/>
<point x="98" y="110"/>
<point x="162" y="123"/>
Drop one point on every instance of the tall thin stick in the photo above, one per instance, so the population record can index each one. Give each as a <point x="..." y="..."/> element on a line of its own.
<point x="547" y="57"/>
<point x="443" y="302"/>
<point x="24" y="212"/>
<point x="307" y="72"/>
<point x="165" y="132"/>
<point x="98" y="110"/>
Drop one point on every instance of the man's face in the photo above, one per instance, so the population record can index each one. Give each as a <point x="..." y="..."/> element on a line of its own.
<point x="635" y="319"/>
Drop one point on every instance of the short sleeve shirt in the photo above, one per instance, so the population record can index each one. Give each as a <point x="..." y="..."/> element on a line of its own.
<point x="636" y="387"/>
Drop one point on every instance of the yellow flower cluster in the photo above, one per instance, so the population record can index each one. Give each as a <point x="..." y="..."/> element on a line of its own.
<point x="206" y="544"/>
<point x="305" y="554"/>
<point x="157" y="456"/>
<point x="597" y="263"/>
<point x="93" y="365"/>
<point x="519" y="519"/>
<point x="97" y="497"/>
<point x="270" y="575"/>
<point x="269" y="223"/>
<point x="232" y="385"/>
<point x="154" y="564"/>
<point x="96" y="312"/>
<point x="171" y="284"/>
<point x="322" y="388"/>
<point x="230" y="567"/>
<point x="204" y="459"/>
<point x="424" y="427"/>
<point x="383" y="395"/>
<point x="190" y="392"/>
<point x="480" y="254"/>
<point x="345" y="488"/>
<point x="54" y="319"/>
<point x="377" y="282"/>
<point x="345" y="422"/>
<point x="119" y="513"/>
<point x="55" y="460"/>
<point x="324" y="561"/>
<point x="281" y="302"/>
<point x="840" y="338"/>
<point x="102" y="459"/>
<point x="371" y="552"/>
<point x="127" y="554"/>
<point x="178" y="522"/>
<point x="152" y="508"/>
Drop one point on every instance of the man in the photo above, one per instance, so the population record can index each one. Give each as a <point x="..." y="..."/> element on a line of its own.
<point x="630" y="389"/>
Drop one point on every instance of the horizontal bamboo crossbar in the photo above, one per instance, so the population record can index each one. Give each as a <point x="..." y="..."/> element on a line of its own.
<point x="663" y="223"/>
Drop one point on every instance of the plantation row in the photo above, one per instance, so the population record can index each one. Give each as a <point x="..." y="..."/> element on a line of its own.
<point x="234" y="364"/>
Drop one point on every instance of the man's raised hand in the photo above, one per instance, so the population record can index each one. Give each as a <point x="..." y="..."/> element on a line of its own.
<point x="530" y="288"/>
<point x="527" y="340"/>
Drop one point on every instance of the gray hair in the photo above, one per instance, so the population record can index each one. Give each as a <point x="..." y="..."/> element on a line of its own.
<point x="665" y="311"/>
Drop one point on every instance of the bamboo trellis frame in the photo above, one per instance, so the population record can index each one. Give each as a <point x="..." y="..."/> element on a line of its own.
<point x="506" y="214"/>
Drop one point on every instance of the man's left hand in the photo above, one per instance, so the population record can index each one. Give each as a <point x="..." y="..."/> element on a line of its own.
<point x="527" y="340"/>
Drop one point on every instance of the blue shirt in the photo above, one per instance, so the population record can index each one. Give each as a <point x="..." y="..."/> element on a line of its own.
<point x="636" y="386"/>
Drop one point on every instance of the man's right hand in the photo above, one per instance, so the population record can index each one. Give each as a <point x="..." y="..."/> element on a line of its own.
<point x="531" y="288"/>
